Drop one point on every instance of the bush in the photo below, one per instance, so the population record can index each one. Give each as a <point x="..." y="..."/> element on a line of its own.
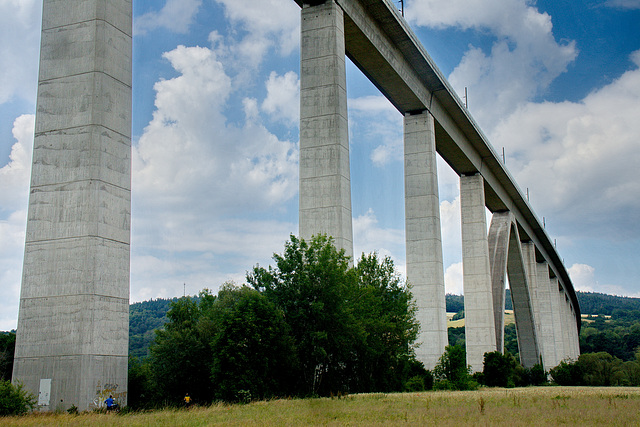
<point x="567" y="373"/>
<point x="452" y="371"/>
<point x="14" y="399"/>
<point x="498" y="369"/>
<point x="537" y="375"/>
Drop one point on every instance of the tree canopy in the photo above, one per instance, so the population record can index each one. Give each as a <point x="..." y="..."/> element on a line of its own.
<point x="312" y="324"/>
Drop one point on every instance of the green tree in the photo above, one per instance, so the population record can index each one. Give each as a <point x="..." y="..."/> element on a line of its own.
<point x="498" y="369"/>
<point x="180" y="355"/>
<point x="452" y="371"/>
<point x="385" y="310"/>
<point x="567" y="373"/>
<point x="352" y="327"/>
<point x="7" y="349"/>
<point x="14" y="399"/>
<point x="253" y="353"/>
<point x="313" y="285"/>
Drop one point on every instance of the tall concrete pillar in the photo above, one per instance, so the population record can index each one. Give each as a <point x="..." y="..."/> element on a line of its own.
<point x="529" y="254"/>
<point x="476" y="272"/>
<point x="574" y="334"/>
<point x="423" y="236"/>
<point x="507" y="259"/>
<point x="558" y="324"/>
<point x="547" y="328"/>
<point x="72" y="336"/>
<point x="325" y="183"/>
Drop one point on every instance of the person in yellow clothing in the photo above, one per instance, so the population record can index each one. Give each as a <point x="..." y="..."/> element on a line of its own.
<point x="187" y="400"/>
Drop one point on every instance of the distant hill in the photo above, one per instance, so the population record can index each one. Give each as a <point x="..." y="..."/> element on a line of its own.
<point x="144" y="318"/>
<point x="593" y="303"/>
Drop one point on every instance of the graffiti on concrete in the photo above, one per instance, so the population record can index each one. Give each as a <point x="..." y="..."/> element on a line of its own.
<point x="103" y="391"/>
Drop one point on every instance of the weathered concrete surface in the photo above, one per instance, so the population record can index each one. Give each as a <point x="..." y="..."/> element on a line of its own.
<point x="557" y="295"/>
<point x="423" y="236"/>
<point x="507" y="259"/>
<point x="479" y="322"/>
<point x="547" y="335"/>
<point x="74" y="302"/>
<point x="325" y="182"/>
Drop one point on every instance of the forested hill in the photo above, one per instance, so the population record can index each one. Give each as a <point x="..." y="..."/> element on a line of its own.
<point x="146" y="316"/>
<point x="610" y="305"/>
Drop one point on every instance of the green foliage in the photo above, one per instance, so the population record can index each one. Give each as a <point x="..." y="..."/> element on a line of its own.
<point x="452" y="371"/>
<point x="14" y="399"/>
<point x="511" y="339"/>
<point x="454" y="303"/>
<point x="598" y="369"/>
<point x="537" y="375"/>
<point x="567" y="373"/>
<point x="352" y="327"/>
<point x="597" y="303"/>
<point x="619" y="337"/>
<point x="313" y="285"/>
<point x="180" y="355"/>
<point x="144" y="318"/>
<point x="311" y="325"/>
<point x="253" y="353"/>
<point x="7" y="348"/>
<point x="140" y="391"/>
<point x="457" y="336"/>
<point x="498" y="369"/>
<point x="459" y="315"/>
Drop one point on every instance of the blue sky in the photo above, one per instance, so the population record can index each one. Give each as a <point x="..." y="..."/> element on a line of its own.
<point x="215" y="134"/>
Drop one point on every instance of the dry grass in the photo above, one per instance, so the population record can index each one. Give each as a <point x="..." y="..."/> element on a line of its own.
<point x="611" y="406"/>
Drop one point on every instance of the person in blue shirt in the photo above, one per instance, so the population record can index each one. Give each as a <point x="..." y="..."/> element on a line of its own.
<point x="110" y="404"/>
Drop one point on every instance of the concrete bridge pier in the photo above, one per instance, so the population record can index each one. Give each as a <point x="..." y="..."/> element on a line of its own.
<point x="558" y="327"/>
<point x="72" y="335"/>
<point x="507" y="260"/>
<point x="325" y="181"/>
<point x="480" y="331"/>
<point x="425" y="270"/>
<point x="547" y="329"/>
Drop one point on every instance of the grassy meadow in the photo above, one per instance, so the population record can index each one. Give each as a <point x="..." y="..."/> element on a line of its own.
<point x="611" y="406"/>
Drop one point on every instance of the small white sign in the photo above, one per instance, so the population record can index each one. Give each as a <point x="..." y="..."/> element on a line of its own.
<point x="45" y="392"/>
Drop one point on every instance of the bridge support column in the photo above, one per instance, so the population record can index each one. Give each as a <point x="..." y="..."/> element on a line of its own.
<point x="478" y="301"/>
<point x="529" y="254"/>
<point x="547" y="329"/>
<point x="325" y="183"/>
<point x="507" y="260"/>
<point x="72" y="335"/>
<point x="423" y="235"/>
<point x="557" y="303"/>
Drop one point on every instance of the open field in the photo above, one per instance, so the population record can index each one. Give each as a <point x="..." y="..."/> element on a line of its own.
<point x="509" y="318"/>
<point x="611" y="406"/>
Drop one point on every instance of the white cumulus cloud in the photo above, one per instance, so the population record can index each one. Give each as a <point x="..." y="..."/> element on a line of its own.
<point x="200" y="176"/>
<point x="262" y="25"/>
<point x="524" y="59"/>
<point x="14" y="190"/>
<point x="175" y="15"/>
<point x="20" y="35"/>
<point x="580" y="158"/>
<point x="283" y="97"/>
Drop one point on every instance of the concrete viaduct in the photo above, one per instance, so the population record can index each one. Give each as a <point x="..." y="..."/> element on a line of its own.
<point x="72" y="335"/>
<point x="378" y="40"/>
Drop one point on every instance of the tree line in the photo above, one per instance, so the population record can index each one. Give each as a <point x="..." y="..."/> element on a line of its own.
<point x="312" y="325"/>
